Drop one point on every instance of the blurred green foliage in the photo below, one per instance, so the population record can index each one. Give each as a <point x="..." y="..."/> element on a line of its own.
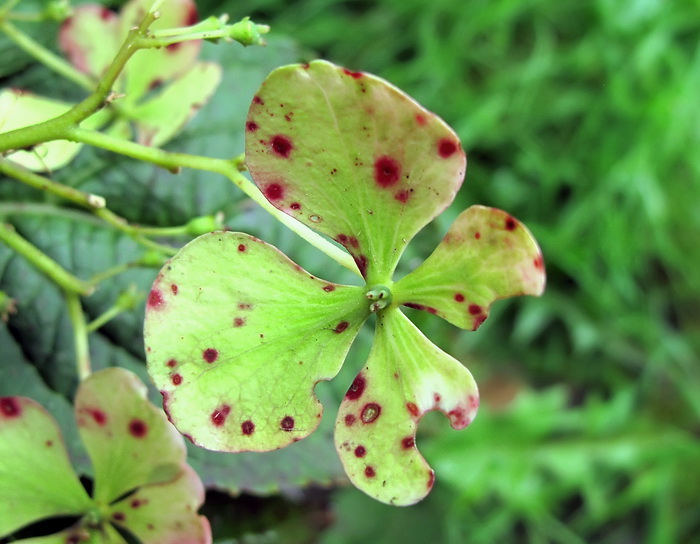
<point x="582" y="120"/>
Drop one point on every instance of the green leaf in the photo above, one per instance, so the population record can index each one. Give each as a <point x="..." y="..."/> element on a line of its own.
<point x="405" y="377"/>
<point x="165" y="512"/>
<point x="237" y="336"/>
<point x="128" y="439"/>
<point x="353" y="157"/>
<point x="20" y="109"/>
<point x="486" y="255"/>
<point x="36" y="477"/>
<point x="162" y="117"/>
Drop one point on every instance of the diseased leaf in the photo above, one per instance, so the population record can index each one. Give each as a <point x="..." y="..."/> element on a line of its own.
<point x="128" y="439"/>
<point x="329" y="147"/>
<point x="151" y="67"/>
<point x="237" y="336"/>
<point x="90" y="38"/>
<point x="162" y="117"/>
<point x="36" y="477"/>
<point x="20" y="109"/>
<point x="486" y="255"/>
<point x="165" y="513"/>
<point x="405" y="377"/>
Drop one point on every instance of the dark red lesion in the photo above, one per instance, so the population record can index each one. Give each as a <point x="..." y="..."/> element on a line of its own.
<point x="274" y="191"/>
<point x="239" y="321"/>
<point x="360" y="451"/>
<point x="423" y="307"/>
<point x="281" y="145"/>
<point x="447" y="148"/>
<point x="356" y="389"/>
<point x="138" y="428"/>
<point x="349" y="419"/>
<point x="9" y="407"/>
<point x="247" y="427"/>
<point x="155" y="299"/>
<point x="370" y="472"/>
<point x="251" y="126"/>
<point x="510" y="223"/>
<point x="354" y="75"/>
<point x="287" y="423"/>
<point x="408" y="442"/>
<point x="387" y="171"/>
<point x="340" y="327"/>
<point x="218" y="416"/>
<point x="210" y="355"/>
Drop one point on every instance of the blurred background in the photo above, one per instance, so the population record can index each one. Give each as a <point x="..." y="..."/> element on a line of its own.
<point x="582" y="119"/>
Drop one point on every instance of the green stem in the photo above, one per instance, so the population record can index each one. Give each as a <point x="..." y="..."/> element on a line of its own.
<point x="86" y="200"/>
<point x="80" y="335"/>
<point x="103" y="318"/>
<point x="121" y="224"/>
<point x="46" y="57"/>
<point x="229" y="168"/>
<point x="59" y="275"/>
<point x="111" y="272"/>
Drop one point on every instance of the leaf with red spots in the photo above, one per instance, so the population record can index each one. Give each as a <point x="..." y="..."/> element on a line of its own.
<point x="486" y="255"/>
<point x="406" y="375"/>
<point x="165" y="513"/>
<point x="36" y="477"/>
<point x="344" y="153"/>
<point x="130" y="442"/>
<point x="20" y="109"/>
<point x="251" y="334"/>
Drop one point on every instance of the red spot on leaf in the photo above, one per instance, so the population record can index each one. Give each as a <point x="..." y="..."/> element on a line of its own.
<point x="248" y="427"/>
<point x="137" y="503"/>
<point x="177" y="379"/>
<point x="370" y="412"/>
<point x="329" y="288"/>
<point x="239" y="321"/>
<point x="274" y="191"/>
<point x="387" y="171"/>
<point x="354" y="242"/>
<point x="295" y="206"/>
<point x="446" y="148"/>
<point x="281" y="145"/>
<point x="360" y="451"/>
<point x="244" y="306"/>
<point x="118" y="516"/>
<point x="475" y="309"/>
<point x="355" y="75"/>
<point x="369" y="472"/>
<point x="402" y="196"/>
<point x="242" y="247"/>
<point x="510" y="223"/>
<point x="437" y="398"/>
<point x="191" y="17"/>
<point x="98" y="416"/>
<point x="210" y="355"/>
<point x="106" y="14"/>
<point x="473" y="403"/>
<point x="155" y="299"/>
<point x="258" y="100"/>
<point x="361" y="262"/>
<point x="9" y="406"/>
<point x="458" y="417"/>
<point x="171" y="48"/>
<point x="428" y="309"/>
<point x="218" y="416"/>
<point x="287" y="423"/>
<point x="173" y="288"/>
<point x="421" y="119"/>
<point x="343" y="239"/>
<point x="251" y="126"/>
<point x="412" y="409"/>
<point x="431" y="479"/>
<point x="408" y="442"/>
<point x="357" y="388"/>
<point x="340" y="327"/>
<point x="171" y="363"/>
<point x="349" y="419"/>
<point x="538" y="262"/>
<point x="478" y="320"/>
<point x="477" y="235"/>
<point x="138" y="428"/>
<point x="459" y="297"/>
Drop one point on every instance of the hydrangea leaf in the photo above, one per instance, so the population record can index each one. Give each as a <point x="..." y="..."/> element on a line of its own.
<point x="19" y="109"/>
<point x="130" y="442"/>
<point x="150" y="67"/>
<point x="90" y="38"/>
<point x="162" y="117"/>
<point x="237" y="336"/>
<point x="36" y="477"/>
<point x="406" y="375"/>
<point x="486" y="255"/>
<point x="353" y="157"/>
<point x="165" y="513"/>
